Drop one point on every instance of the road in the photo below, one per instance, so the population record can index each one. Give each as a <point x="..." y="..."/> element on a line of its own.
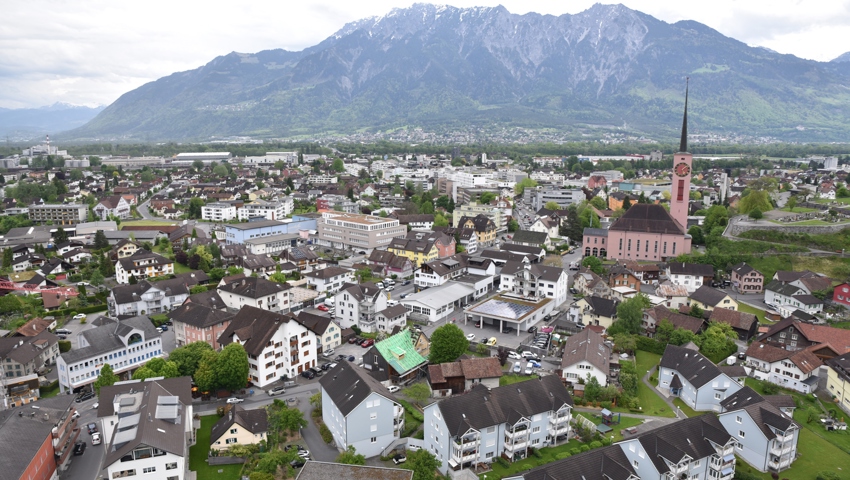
<point x="88" y="465"/>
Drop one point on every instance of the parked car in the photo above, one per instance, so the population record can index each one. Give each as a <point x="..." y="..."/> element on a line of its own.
<point x="317" y="371"/>
<point x="406" y="282"/>
<point x="80" y="316"/>
<point x="390" y="288"/>
<point x="164" y="328"/>
<point x="308" y="374"/>
<point x="298" y="463"/>
<point x="75" y="415"/>
<point x="351" y="358"/>
<point x="514" y="355"/>
<point x="352" y="340"/>
<point x="332" y="364"/>
<point x="507" y="330"/>
<point x="534" y="363"/>
<point x="492" y="341"/>
<point x="547" y="317"/>
<point x="573" y="290"/>
<point x="529" y="367"/>
<point x="84" y="396"/>
<point x="393" y="388"/>
<point x="340" y="357"/>
<point x="92" y="428"/>
<point x="532" y="329"/>
<point x="95" y="439"/>
<point x="79" y="448"/>
<point x="517" y="367"/>
<point x="276" y="391"/>
<point x="323" y="307"/>
<point x="528" y="355"/>
<point x="305" y="454"/>
<point x="327" y="353"/>
<point x="399" y="458"/>
<point x="403" y="296"/>
<point x="367" y="343"/>
<point x="235" y="400"/>
<point x="470" y="336"/>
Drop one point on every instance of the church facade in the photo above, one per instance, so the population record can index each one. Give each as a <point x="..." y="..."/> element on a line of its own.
<point x="648" y="232"/>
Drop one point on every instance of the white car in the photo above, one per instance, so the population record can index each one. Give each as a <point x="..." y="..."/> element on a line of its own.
<point x="514" y="355"/>
<point x="235" y="400"/>
<point x="95" y="438"/>
<point x="80" y="316"/>
<point x="470" y="337"/>
<point x="328" y="353"/>
<point x="393" y="388"/>
<point x="529" y="367"/>
<point x="528" y="355"/>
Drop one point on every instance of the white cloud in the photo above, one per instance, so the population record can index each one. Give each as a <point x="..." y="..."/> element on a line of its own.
<point x="92" y="52"/>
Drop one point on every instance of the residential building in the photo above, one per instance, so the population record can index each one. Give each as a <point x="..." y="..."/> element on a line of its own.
<point x="461" y="376"/>
<point x="765" y="432"/>
<point x="674" y="295"/>
<point x="238" y="233"/>
<point x="142" y="264"/>
<point x="239" y="427"/>
<point x="485" y="229"/>
<point x="533" y="414"/>
<point x="791" y="369"/>
<point x="792" y="334"/>
<point x="421" y="222"/>
<point x="690" y="275"/>
<point x="359" y="411"/>
<point x="392" y="264"/>
<point x="275" y="210"/>
<point x="147" y="428"/>
<point x="395" y="360"/>
<point x="359" y="304"/>
<point x="328" y="333"/>
<point x="197" y="322"/>
<point x="124" y="345"/>
<point x="790" y="297"/>
<point x="302" y="257"/>
<point x="36" y="443"/>
<point x="256" y="292"/>
<point x="594" y="310"/>
<point x="22" y="356"/>
<point x="418" y="251"/>
<point x="620" y="276"/>
<point x="590" y="284"/>
<point x="540" y="196"/>
<point x="687" y="374"/>
<point x="391" y="317"/>
<point x="530" y="238"/>
<point x="124" y="249"/>
<point x="708" y="299"/>
<point x="145" y="298"/>
<point x="218" y="212"/>
<point x="841" y="295"/>
<point x="438" y="272"/>
<point x="536" y="280"/>
<point x="329" y="279"/>
<point x="356" y="231"/>
<point x="838" y="380"/>
<point x="473" y="209"/>
<point x="746" y="279"/>
<point x="745" y="324"/>
<point x="652" y="318"/>
<point x="278" y="347"/>
<point x="58" y="214"/>
<point x="112" y="206"/>
<point x="586" y="353"/>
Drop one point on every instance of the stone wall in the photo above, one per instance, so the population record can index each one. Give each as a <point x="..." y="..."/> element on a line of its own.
<point x="739" y="227"/>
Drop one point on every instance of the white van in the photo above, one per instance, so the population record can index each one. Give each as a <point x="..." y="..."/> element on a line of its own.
<point x="392" y="303"/>
<point x="329" y="302"/>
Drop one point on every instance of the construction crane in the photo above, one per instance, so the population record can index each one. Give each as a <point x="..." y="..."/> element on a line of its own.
<point x="66" y="291"/>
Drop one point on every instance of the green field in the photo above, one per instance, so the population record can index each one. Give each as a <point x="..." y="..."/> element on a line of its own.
<point x="198" y="455"/>
<point x="651" y="403"/>
<point x="180" y="268"/>
<point x="510" y="379"/>
<point x="688" y="411"/>
<point x="743" y="307"/>
<point x="827" y="201"/>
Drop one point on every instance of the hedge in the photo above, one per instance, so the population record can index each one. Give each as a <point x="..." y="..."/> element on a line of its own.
<point x="67" y="311"/>
<point x="412" y="410"/>
<point x="650" y="345"/>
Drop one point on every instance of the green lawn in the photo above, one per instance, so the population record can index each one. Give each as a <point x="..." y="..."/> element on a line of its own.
<point x="688" y="411"/>
<point x="180" y="268"/>
<point x="625" y="422"/>
<point x="827" y="201"/>
<point x="806" y="223"/>
<point x="511" y="379"/>
<point x="650" y="402"/>
<point x="146" y="223"/>
<point x="198" y="455"/>
<point x="755" y="311"/>
<point x="49" y="391"/>
<point x="798" y="210"/>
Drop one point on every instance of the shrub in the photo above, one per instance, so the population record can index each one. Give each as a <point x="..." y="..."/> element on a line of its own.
<point x="562" y="455"/>
<point x="412" y="410"/>
<point x="501" y="461"/>
<point x="584" y="447"/>
<point x="740" y="474"/>
<point x="606" y="405"/>
<point x="326" y="434"/>
<point x="536" y="453"/>
<point x="774" y="475"/>
<point x="64" y="346"/>
<point x="575" y="451"/>
<point x="595" y="445"/>
<point x="827" y="475"/>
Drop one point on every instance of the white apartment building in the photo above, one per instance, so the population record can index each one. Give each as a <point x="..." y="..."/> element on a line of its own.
<point x="469" y="179"/>
<point x="218" y="212"/>
<point x="256" y="292"/>
<point x="277" y="210"/>
<point x="329" y="280"/>
<point x="536" y="281"/>
<point x="321" y="179"/>
<point x="125" y="346"/>
<point x="357" y="231"/>
<point x="142" y="264"/>
<point x="473" y="208"/>
<point x="146" y="298"/>
<point x="793" y="369"/>
<point x="277" y="346"/>
<point x="358" y="305"/>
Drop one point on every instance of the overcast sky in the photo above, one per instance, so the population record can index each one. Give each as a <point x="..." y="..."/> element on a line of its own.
<point x="91" y="52"/>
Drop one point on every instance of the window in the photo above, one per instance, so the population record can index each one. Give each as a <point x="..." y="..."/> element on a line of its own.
<point x="739" y="419"/>
<point x="635" y="463"/>
<point x="373" y="428"/>
<point x="741" y="433"/>
<point x="489" y="455"/>
<point x="171" y="466"/>
<point x="373" y="415"/>
<point x="535" y="429"/>
<point x="148" y="469"/>
<point x="374" y="440"/>
<point x="232" y="430"/>
<point x="718" y="396"/>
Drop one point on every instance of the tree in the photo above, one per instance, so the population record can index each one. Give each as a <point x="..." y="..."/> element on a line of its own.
<point x="189" y="356"/>
<point x="96" y="278"/>
<point x="552" y="205"/>
<point x="513" y="226"/>
<point x="594" y="264"/>
<point x="696" y="311"/>
<point x="448" y="342"/>
<point x="588" y="219"/>
<point x="755" y="200"/>
<point x="440" y="220"/>
<point x="198" y="165"/>
<point x="7" y="256"/>
<point x="755" y="214"/>
<point x="842" y="192"/>
<point x="220" y="171"/>
<point x="100" y="240"/>
<point x="717" y="216"/>
<point x="592" y="388"/>
<point x="523" y="184"/>
<point x="423" y="463"/>
<point x="195" y="207"/>
<point x="486" y="197"/>
<point x="61" y="236"/>
<point x="231" y="369"/>
<point x="418" y="392"/>
<point x="625" y="342"/>
<point x="717" y="340"/>
<point x="598" y="203"/>
<point x="283" y="419"/>
<point x="629" y="315"/>
<point x="349" y="456"/>
<point x="697" y="238"/>
<point x="338" y="165"/>
<point x="105" y="379"/>
<point x="205" y="373"/>
<point x="791" y="203"/>
<point x="627" y="203"/>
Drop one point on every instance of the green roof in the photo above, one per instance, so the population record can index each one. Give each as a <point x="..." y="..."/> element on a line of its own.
<point x="398" y="351"/>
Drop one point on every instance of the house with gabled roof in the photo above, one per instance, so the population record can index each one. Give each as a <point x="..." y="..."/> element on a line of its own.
<point x="359" y="411"/>
<point x="594" y="311"/>
<point x="586" y="353"/>
<point x="792" y="334"/>
<point x="765" y="433"/>
<point x="358" y="304"/>
<point x="708" y="298"/>
<point x="239" y="427"/>
<point x="507" y="421"/>
<point x="142" y="264"/>
<point x="395" y="360"/>
<point x="256" y="292"/>
<point x="792" y="369"/>
<point x="197" y="322"/>
<point x="746" y="279"/>
<point x="690" y="275"/>
<point x="652" y="318"/>
<point x="745" y="324"/>
<point x="689" y="375"/>
<point x="328" y="333"/>
<point x="458" y="377"/>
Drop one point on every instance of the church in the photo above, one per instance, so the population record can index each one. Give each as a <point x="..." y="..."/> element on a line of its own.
<point x="648" y="232"/>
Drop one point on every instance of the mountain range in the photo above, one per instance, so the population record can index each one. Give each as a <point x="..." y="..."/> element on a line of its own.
<point x="609" y="67"/>
<point x="26" y="123"/>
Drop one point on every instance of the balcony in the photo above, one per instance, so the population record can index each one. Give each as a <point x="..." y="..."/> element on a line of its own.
<point x="518" y="430"/>
<point x="720" y="463"/>
<point x="780" y="450"/>
<point x="516" y="446"/>
<point x="787" y="437"/>
<point x="463" y="456"/>
<point x="470" y="441"/>
<point x="679" y="469"/>
<point x="779" y="464"/>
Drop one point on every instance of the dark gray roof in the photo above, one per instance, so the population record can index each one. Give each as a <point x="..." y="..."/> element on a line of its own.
<point x="394" y="311"/>
<point x="602" y="306"/>
<point x="744" y="269"/>
<point x="23" y="436"/>
<point x="708" y="296"/>
<point x="255" y="421"/>
<point x="648" y="218"/>
<point x="691" y="365"/>
<point x="317" y="324"/>
<point x="691" y="437"/>
<point x="108" y="338"/>
<point x="607" y="463"/>
<point x="198" y="315"/>
<point x="24" y="349"/>
<point x="256" y="224"/>
<point x="210" y="298"/>
<point x="132" y="293"/>
<point x="694" y="269"/>
<point x="589" y="346"/>
<point x="527" y="236"/>
<point x="314" y="470"/>
<point x="361" y="291"/>
<point x="348" y="386"/>
<point x="254" y="326"/>
<point x="783" y="288"/>
<point x="156" y="259"/>
<point x="595" y="232"/>
<point x="764" y="412"/>
<point x="516" y="248"/>
<point x="253" y="287"/>
<point x="482" y="407"/>
<point x="327" y="272"/>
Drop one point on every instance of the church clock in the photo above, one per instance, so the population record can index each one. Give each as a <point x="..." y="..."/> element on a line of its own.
<point x="682" y="169"/>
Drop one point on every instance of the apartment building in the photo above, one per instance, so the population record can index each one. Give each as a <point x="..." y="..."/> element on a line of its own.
<point x="147" y="428"/>
<point x="438" y="272"/>
<point x="838" y="380"/>
<point x="356" y="231"/>
<point x="359" y="411"/>
<point x="359" y="304"/>
<point x="256" y="292"/>
<point x="418" y="251"/>
<point x="329" y="279"/>
<point x="474" y="209"/>
<point x="195" y="322"/>
<point x="145" y="298"/>
<point x="124" y="345"/>
<point x="690" y="275"/>
<point x="747" y="280"/>
<point x="540" y="196"/>
<point x="218" y="212"/>
<point x="792" y="369"/>
<point x="536" y="281"/>
<point x="462" y="433"/>
<point x="696" y="380"/>
<point x="60" y="214"/>
<point x="112" y="206"/>
<point x="275" y="210"/>
<point x="277" y="346"/>
<point x="22" y="356"/>
<point x="142" y="264"/>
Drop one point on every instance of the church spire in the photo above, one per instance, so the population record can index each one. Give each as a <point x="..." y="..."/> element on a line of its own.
<point x="683" y="143"/>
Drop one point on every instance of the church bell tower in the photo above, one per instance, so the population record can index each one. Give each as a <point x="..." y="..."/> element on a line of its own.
<point x="680" y="189"/>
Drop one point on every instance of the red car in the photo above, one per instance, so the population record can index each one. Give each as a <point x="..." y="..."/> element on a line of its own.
<point x="323" y="308"/>
<point x="368" y="343"/>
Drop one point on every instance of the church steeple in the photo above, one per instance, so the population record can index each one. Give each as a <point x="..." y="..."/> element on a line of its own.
<point x="683" y="143"/>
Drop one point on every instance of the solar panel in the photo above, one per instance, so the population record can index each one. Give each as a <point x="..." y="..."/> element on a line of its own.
<point x="167" y="412"/>
<point x="167" y="400"/>
<point x="128" y="421"/>
<point x="501" y="308"/>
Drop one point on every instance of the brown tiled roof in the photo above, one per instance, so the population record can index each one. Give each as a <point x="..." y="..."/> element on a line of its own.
<point x="739" y="320"/>
<point x="488" y="367"/>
